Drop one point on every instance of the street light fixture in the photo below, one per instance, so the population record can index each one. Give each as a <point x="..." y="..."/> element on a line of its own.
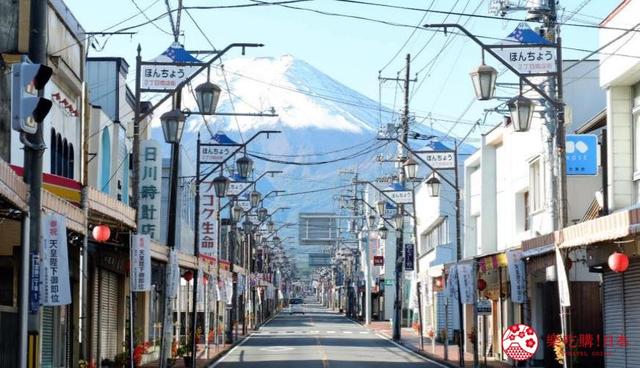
<point x="484" y="81"/>
<point x="237" y="212"/>
<point x="371" y="221"/>
<point x="172" y="125"/>
<point x="380" y="206"/>
<point x="244" y="165"/>
<point x="254" y="198"/>
<point x="410" y="168"/>
<point x="247" y="227"/>
<point x="220" y="185"/>
<point x="399" y="221"/>
<point x="521" y="109"/>
<point x="262" y="214"/>
<point x="207" y="96"/>
<point x="382" y="230"/>
<point x="270" y="226"/>
<point x="433" y="186"/>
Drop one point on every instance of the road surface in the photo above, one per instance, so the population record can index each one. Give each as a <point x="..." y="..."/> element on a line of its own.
<point x="319" y="339"/>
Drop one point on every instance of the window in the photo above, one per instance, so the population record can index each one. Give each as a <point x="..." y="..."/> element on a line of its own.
<point x="54" y="151"/>
<point x="437" y="235"/>
<point x="536" y="185"/>
<point x="526" y="211"/>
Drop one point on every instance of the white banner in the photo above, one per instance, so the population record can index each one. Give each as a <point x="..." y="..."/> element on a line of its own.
<point x="140" y="263"/>
<point x="228" y="285"/>
<point x="467" y="280"/>
<point x="208" y="224"/>
<point x="54" y="270"/>
<point x="150" y="187"/>
<point x="517" y="276"/>
<point x="452" y="283"/>
<point x="563" y="282"/>
<point x="400" y="196"/>
<point x="529" y="60"/>
<point x="220" y="289"/>
<point x="237" y="187"/>
<point x="438" y="159"/>
<point x="174" y="276"/>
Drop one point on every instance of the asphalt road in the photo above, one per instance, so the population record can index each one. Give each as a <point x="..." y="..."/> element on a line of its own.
<point x="319" y="339"/>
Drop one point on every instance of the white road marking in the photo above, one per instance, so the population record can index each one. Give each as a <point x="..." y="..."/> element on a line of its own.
<point x="411" y="351"/>
<point x="217" y="363"/>
<point x="347" y="332"/>
<point x="364" y="332"/>
<point x="277" y="349"/>
<point x="331" y="332"/>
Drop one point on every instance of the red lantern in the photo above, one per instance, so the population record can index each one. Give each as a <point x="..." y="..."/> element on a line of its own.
<point x="618" y="262"/>
<point x="188" y="275"/>
<point x="439" y="283"/>
<point x="482" y="284"/>
<point x="101" y="233"/>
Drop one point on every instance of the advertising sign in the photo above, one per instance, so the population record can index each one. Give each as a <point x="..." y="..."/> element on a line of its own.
<point x="530" y="59"/>
<point x="409" y="257"/>
<point x="400" y="196"/>
<point x="34" y="283"/>
<point x="141" y="263"/>
<point x="438" y="159"/>
<point x="378" y="260"/>
<point x="452" y="283"/>
<point x="54" y="271"/>
<point x="237" y="187"/>
<point x="582" y="154"/>
<point x="150" y="184"/>
<point x="163" y="77"/>
<point x="467" y="282"/>
<point x="208" y="226"/>
<point x="516" y="268"/>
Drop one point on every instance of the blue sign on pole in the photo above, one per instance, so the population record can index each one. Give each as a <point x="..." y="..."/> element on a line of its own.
<point x="34" y="283"/>
<point x="582" y="154"/>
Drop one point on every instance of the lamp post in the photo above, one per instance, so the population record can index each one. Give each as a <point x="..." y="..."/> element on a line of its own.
<point x="172" y="128"/>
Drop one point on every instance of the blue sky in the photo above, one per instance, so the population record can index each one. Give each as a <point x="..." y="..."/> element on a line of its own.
<point x="349" y="50"/>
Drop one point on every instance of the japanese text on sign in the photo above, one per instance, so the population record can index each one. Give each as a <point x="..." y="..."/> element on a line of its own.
<point x="141" y="263"/>
<point x="54" y="270"/>
<point x="150" y="180"/>
<point x="208" y="227"/>
<point x="529" y="60"/>
<point x="400" y="196"/>
<point x="216" y="153"/>
<point x="163" y="77"/>
<point x="438" y="160"/>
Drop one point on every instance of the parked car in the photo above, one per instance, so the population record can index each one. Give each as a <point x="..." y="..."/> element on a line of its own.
<point x="296" y="306"/>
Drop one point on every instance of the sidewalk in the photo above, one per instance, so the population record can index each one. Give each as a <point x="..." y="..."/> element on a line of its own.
<point x="411" y="340"/>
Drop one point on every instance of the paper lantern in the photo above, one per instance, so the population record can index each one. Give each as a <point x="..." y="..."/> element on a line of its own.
<point x="101" y="233"/>
<point x="188" y="275"/>
<point x="618" y="262"/>
<point x="482" y="284"/>
<point x="439" y="283"/>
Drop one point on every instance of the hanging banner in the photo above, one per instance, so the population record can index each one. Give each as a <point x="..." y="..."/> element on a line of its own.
<point x="409" y="257"/>
<point x="55" y="288"/>
<point x="140" y="263"/>
<point x="452" y="283"/>
<point x="219" y="290"/>
<point x="517" y="275"/>
<point x="228" y="284"/>
<point x="582" y="154"/>
<point x="208" y="226"/>
<point x="174" y="276"/>
<point x="563" y="282"/>
<point x="150" y="184"/>
<point x="467" y="281"/>
<point x="237" y="187"/>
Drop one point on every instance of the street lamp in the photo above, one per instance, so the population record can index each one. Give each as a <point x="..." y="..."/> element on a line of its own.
<point x="254" y="198"/>
<point x="247" y="227"/>
<point x="172" y="126"/>
<point x="380" y="206"/>
<point x="410" y="168"/>
<point x="220" y="185"/>
<point x="244" y="165"/>
<point x="521" y="109"/>
<point x="236" y="213"/>
<point x="262" y="214"/>
<point x="207" y="96"/>
<point x="371" y="221"/>
<point x="484" y="81"/>
<point x="382" y="230"/>
<point x="433" y="186"/>
<point x="399" y="221"/>
<point x="270" y="226"/>
<point x="276" y="240"/>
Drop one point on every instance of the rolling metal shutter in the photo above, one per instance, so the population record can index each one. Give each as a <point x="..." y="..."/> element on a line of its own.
<point x="621" y="308"/>
<point x="108" y="315"/>
<point x="47" y="339"/>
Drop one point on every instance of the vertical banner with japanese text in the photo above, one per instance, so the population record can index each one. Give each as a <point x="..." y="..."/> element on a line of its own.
<point x="452" y="283"/>
<point x="55" y="288"/>
<point x="468" y="283"/>
<point x="140" y="263"/>
<point x="517" y="276"/>
<point x="208" y="226"/>
<point x="174" y="275"/>
<point x="150" y="184"/>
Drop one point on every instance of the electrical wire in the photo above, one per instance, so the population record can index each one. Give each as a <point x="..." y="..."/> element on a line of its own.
<point x="145" y="15"/>
<point x="352" y="156"/>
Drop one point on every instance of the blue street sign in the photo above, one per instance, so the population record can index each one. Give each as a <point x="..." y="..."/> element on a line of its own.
<point x="34" y="283"/>
<point x="582" y="154"/>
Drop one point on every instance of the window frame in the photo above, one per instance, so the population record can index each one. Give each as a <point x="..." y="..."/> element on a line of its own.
<point x="536" y="186"/>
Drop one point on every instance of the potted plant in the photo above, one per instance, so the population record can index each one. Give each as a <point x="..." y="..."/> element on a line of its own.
<point x="139" y="351"/>
<point x="183" y="351"/>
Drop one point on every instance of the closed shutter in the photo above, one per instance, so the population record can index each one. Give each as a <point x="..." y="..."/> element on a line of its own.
<point x="47" y="337"/>
<point x="108" y="315"/>
<point x="621" y="306"/>
<point x="632" y="313"/>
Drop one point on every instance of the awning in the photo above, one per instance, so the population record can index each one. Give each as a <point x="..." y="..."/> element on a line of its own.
<point x="101" y="205"/>
<point x="75" y="215"/>
<point x="610" y="227"/>
<point x="492" y="262"/>
<point x="540" y="245"/>
<point x="12" y="188"/>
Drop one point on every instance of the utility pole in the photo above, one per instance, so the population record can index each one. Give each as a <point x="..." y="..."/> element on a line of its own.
<point x="404" y="137"/>
<point x="34" y="148"/>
